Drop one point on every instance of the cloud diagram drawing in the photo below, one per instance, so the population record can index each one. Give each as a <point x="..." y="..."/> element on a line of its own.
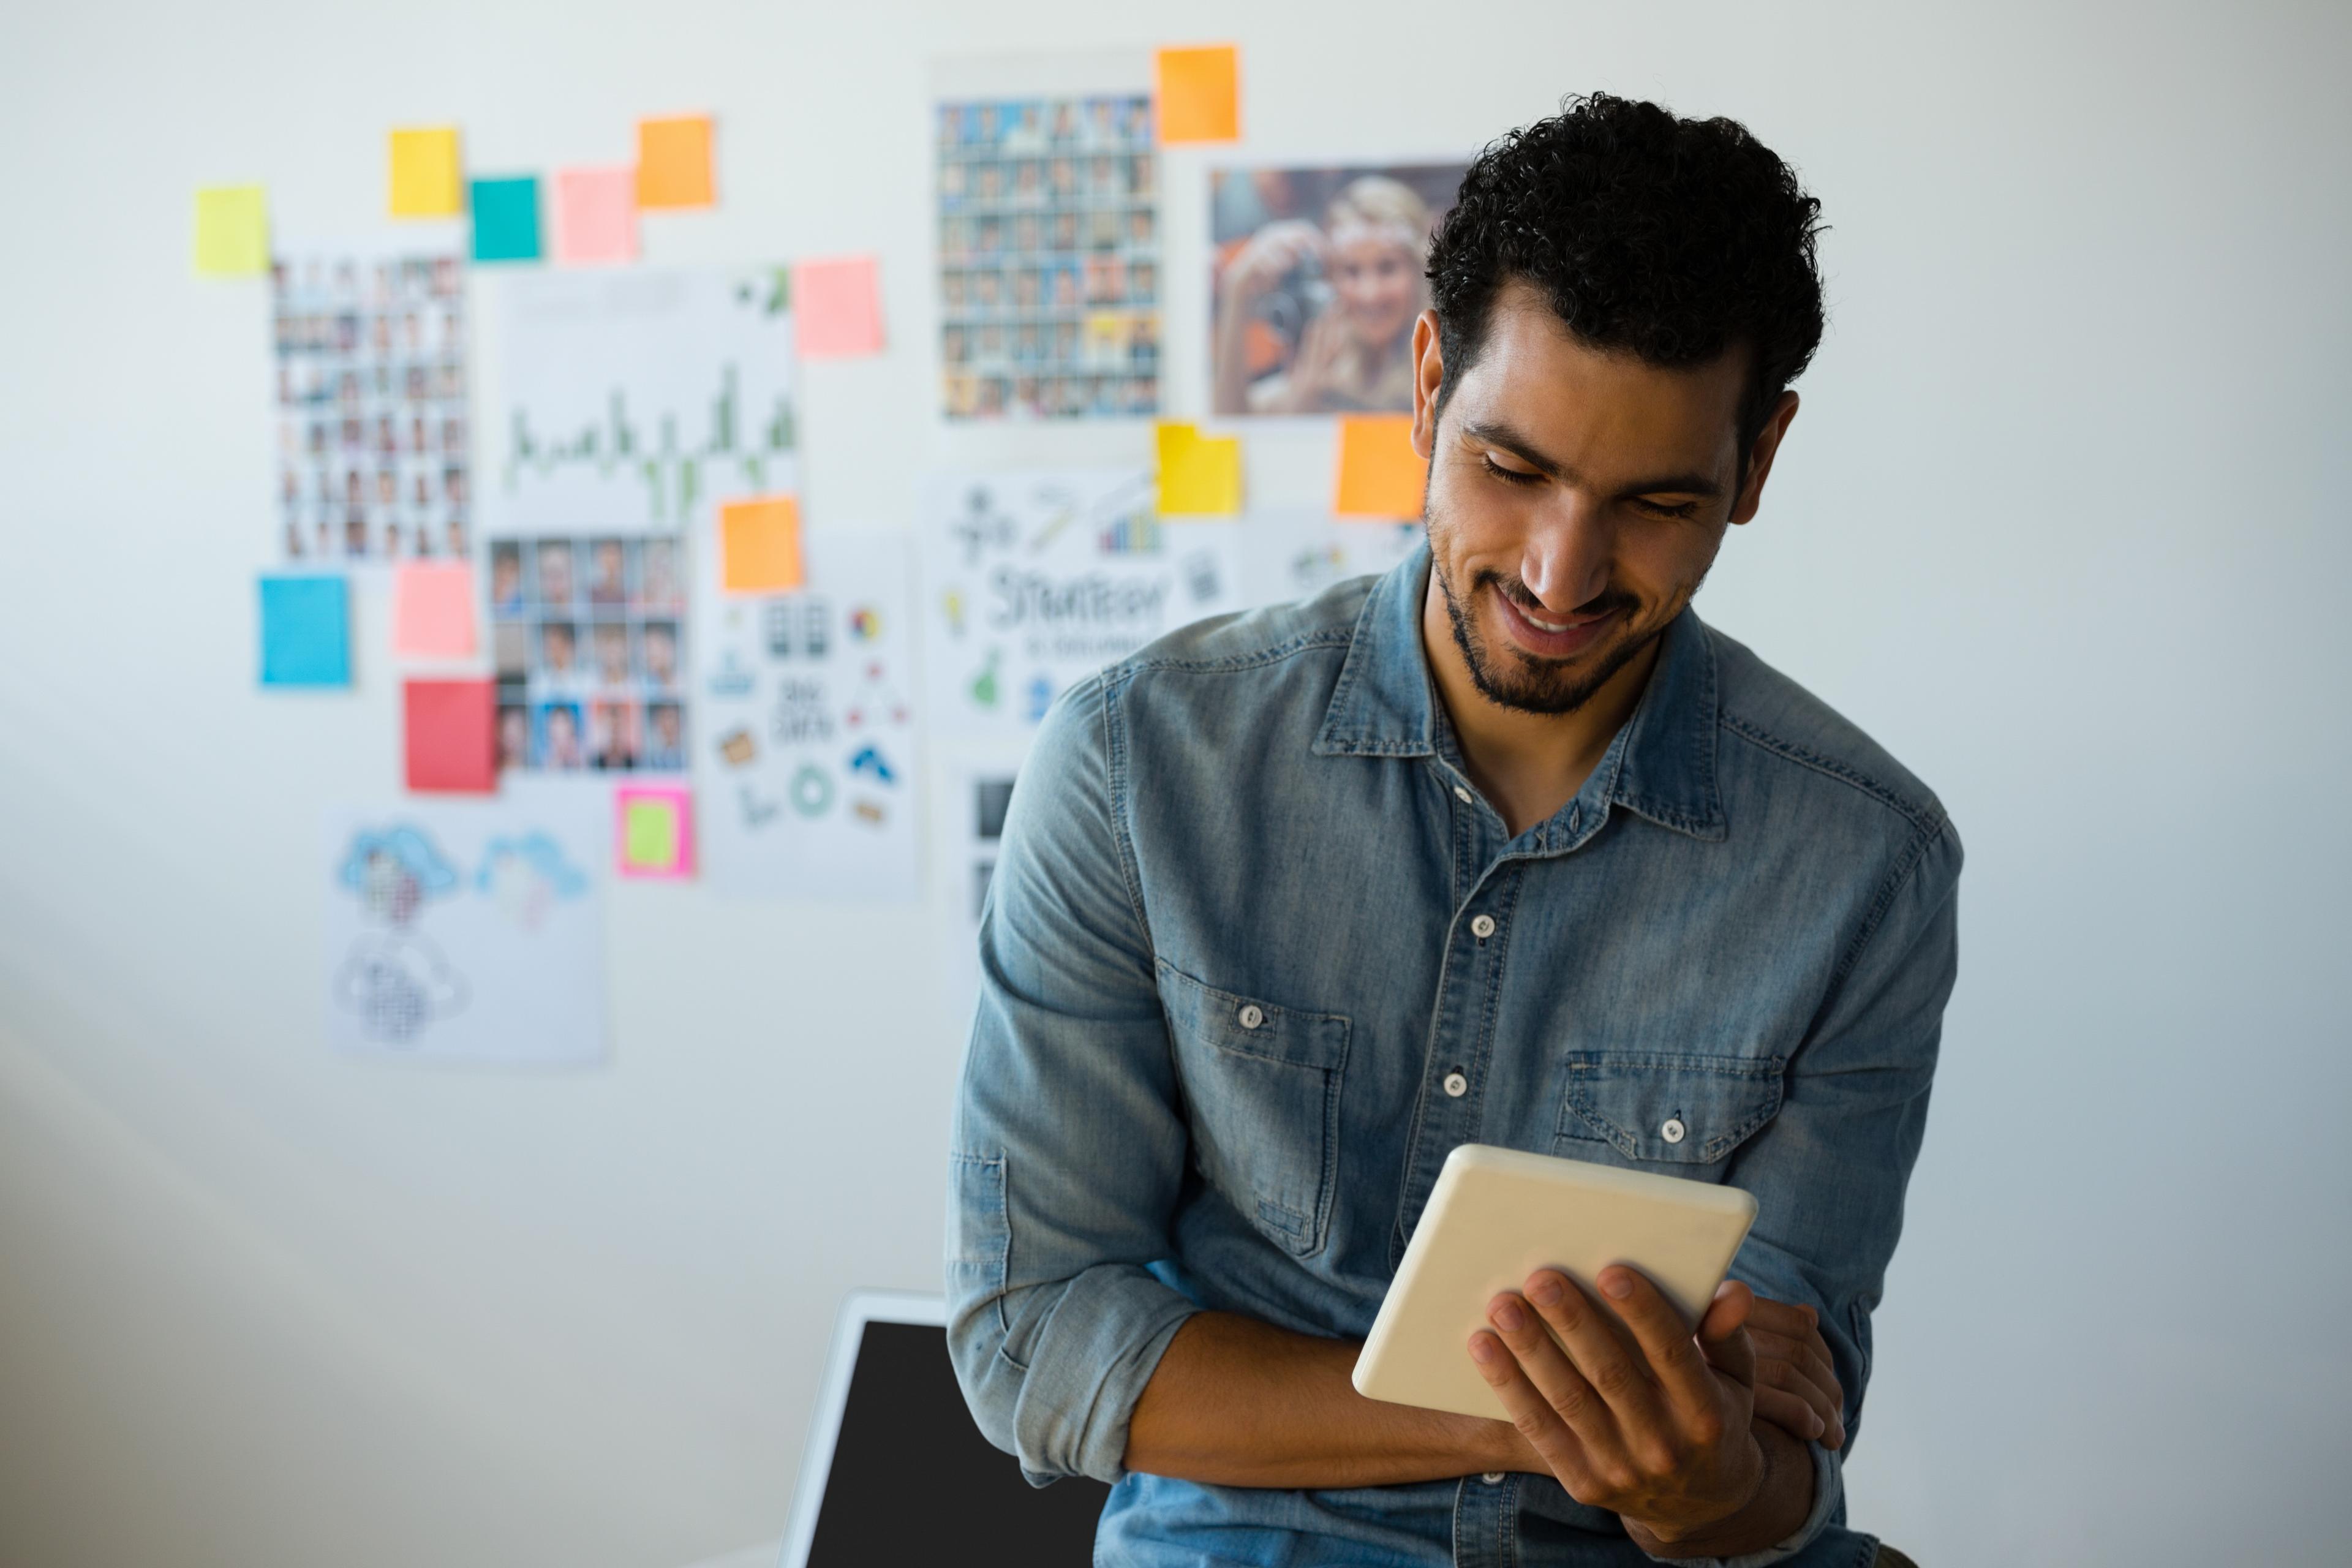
<point x="527" y="876"/>
<point x="393" y="977"/>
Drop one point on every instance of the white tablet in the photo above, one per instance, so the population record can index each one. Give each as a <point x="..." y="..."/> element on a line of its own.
<point x="1495" y="1216"/>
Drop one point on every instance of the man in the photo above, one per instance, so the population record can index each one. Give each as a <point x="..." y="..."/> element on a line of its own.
<point x="1503" y="846"/>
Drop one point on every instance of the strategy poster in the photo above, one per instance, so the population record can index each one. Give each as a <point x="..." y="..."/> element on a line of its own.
<point x="810" y="751"/>
<point x="469" y="930"/>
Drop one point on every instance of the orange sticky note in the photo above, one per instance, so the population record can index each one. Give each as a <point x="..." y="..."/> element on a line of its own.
<point x="1199" y="92"/>
<point x="674" y="162"/>
<point x="837" y="307"/>
<point x="433" y="609"/>
<point x="595" y="215"/>
<point x="760" y="546"/>
<point x="1380" y="476"/>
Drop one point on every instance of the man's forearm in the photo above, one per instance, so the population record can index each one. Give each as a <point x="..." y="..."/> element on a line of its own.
<point x="1780" y="1505"/>
<point x="1235" y="1402"/>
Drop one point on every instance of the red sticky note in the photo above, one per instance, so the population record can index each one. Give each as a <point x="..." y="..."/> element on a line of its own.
<point x="451" y="743"/>
<point x="433" y="609"/>
<point x="837" y="307"/>
<point x="595" y="215"/>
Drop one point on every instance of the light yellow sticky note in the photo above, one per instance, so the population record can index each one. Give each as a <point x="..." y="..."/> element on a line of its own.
<point x="232" y="231"/>
<point x="650" y="827"/>
<point x="427" y="177"/>
<point x="1380" y="476"/>
<point x="760" y="546"/>
<point x="1200" y="476"/>
<point x="1199" y="91"/>
<point x="674" y="162"/>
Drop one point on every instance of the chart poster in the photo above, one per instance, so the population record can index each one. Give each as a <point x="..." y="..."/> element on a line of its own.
<point x="811" y="751"/>
<point x="469" y="930"/>
<point x="373" y="451"/>
<point x="629" y="400"/>
<point x="588" y="639"/>
<point x="1049" y="191"/>
<point x="1034" y="580"/>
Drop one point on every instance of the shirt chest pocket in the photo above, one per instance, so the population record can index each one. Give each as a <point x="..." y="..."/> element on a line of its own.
<point x="1262" y="1084"/>
<point x="1679" y="1111"/>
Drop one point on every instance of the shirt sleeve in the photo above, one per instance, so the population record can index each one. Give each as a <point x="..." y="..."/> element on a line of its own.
<point x="1070" y="1145"/>
<point x="1829" y="1171"/>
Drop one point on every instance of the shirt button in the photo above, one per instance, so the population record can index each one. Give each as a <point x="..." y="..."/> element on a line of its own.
<point x="1455" y="1084"/>
<point x="1674" y="1129"/>
<point x="1483" y="927"/>
<point x="1462" y="795"/>
<point x="1252" y="1015"/>
<point x="1493" y="1477"/>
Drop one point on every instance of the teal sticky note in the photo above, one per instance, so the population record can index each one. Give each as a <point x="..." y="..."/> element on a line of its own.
<point x="505" y="219"/>
<point x="306" y="631"/>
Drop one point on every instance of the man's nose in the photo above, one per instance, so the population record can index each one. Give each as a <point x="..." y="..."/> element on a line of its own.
<point x="1566" y="561"/>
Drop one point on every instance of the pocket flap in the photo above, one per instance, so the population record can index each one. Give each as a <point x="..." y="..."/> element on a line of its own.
<point x="1251" y="1028"/>
<point x="1682" y="1110"/>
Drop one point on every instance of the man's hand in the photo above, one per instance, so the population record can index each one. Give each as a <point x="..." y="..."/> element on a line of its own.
<point x="1797" y="1387"/>
<point x="1657" y="1429"/>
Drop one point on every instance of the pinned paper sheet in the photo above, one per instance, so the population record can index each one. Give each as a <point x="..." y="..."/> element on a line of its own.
<point x="595" y="215"/>
<point x="427" y="178"/>
<point x="505" y="219"/>
<point x="449" y="741"/>
<point x="674" y="162"/>
<point x="232" y="231"/>
<point x="1200" y="476"/>
<point x="306" y="631"/>
<point x="760" y="546"/>
<point x="1199" y="94"/>
<point x="837" y="307"/>
<point x="433" y="609"/>
<point x="655" y="831"/>
<point x="1380" y="476"/>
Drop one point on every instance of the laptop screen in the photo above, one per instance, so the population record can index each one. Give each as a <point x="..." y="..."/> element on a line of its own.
<point x="914" y="1481"/>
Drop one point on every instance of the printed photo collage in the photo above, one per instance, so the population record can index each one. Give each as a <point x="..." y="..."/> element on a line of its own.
<point x="1049" y="257"/>
<point x="370" y="358"/>
<point x="588" y="637"/>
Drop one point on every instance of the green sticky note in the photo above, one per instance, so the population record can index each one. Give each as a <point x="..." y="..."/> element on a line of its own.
<point x="505" y="219"/>
<point x="305" y="631"/>
<point x="652" y="833"/>
<point x="232" y="231"/>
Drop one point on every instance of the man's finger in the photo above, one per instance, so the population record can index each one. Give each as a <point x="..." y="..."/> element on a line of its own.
<point x="1614" y="1366"/>
<point x="1806" y="1355"/>
<point x="1722" y="1333"/>
<point x="1665" y="1336"/>
<point x="1774" y="1374"/>
<point x="1777" y="1360"/>
<point x="1554" y="1377"/>
<point x="1791" y="1414"/>
<point x="1533" y="1415"/>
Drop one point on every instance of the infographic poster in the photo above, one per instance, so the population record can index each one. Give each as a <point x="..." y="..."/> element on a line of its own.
<point x="469" y="930"/>
<point x="628" y="400"/>
<point x="1295" y="554"/>
<point x="1031" y="580"/>
<point x="810" y="749"/>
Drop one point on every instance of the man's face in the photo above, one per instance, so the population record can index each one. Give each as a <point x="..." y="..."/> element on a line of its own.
<point x="1576" y="499"/>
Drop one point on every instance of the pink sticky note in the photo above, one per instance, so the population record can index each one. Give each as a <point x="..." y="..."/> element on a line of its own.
<point x="433" y="609"/>
<point x="595" y="215"/>
<point x="654" y="831"/>
<point x="837" y="307"/>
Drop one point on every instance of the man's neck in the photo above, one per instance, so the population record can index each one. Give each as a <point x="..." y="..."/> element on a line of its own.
<point x="1527" y="765"/>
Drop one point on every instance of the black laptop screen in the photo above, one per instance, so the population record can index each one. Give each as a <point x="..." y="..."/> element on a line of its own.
<point x="914" y="1481"/>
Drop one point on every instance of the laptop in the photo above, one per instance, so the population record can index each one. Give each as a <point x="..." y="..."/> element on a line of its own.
<point x="897" y="1472"/>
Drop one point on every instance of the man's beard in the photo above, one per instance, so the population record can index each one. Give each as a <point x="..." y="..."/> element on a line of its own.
<point x="1513" y="679"/>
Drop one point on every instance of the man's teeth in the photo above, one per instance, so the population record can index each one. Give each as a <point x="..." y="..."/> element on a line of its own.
<point x="1544" y="626"/>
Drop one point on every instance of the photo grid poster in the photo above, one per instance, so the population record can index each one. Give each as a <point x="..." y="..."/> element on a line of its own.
<point x="1033" y="580"/>
<point x="469" y="930"/>
<point x="811" y="752"/>
<point x="369" y="353"/>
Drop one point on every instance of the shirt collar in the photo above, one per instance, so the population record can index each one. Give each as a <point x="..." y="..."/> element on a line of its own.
<point x="1660" y="766"/>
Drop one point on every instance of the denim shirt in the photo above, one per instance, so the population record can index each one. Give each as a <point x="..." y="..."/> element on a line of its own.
<point x="1258" y="955"/>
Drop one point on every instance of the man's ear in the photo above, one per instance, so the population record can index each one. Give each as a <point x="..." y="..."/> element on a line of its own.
<point x="1760" y="453"/>
<point x="1428" y="377"/>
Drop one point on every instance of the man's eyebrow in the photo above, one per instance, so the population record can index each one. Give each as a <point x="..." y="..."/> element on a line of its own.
<point x="1527" y="452"/>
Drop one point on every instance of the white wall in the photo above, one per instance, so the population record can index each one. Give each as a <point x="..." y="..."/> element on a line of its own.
<point x="2062" y="522"/>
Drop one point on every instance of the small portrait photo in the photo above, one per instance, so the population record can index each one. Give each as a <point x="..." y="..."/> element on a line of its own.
<point x="558" y="652"/>
<point x="608" y="572"/>
<point x="1316" y="279"/>
<point x="665" y="736"/>
<point x="659" y="584"/>
<point x="510" y="648"/>
<point x="554" y="584"/>
<point x="612" y="735"/>
<point x="514" y="736"/>
<point x="611" y="641"/>
<point x="559" y="742"/>
<point x="659" y="640"/>
<point x="506" y="578"/>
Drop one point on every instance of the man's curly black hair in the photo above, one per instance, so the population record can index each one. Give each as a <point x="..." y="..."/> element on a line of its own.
<point x="1673" y="239"/>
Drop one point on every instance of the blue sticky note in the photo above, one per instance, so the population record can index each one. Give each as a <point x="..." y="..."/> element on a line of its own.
<point x="505" y="219"/>
<point x="305" y="631"/>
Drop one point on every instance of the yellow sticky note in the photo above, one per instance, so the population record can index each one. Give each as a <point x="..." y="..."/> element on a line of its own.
<point x="232" y="231"/>
<point x="1199" y="91"/>
<point x="1200" y="476"/>
<point x="760" y="546"/>
<point x="674" y="162"/>
<point x="427" y="179"/>
<point x="1380" y="476"/>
